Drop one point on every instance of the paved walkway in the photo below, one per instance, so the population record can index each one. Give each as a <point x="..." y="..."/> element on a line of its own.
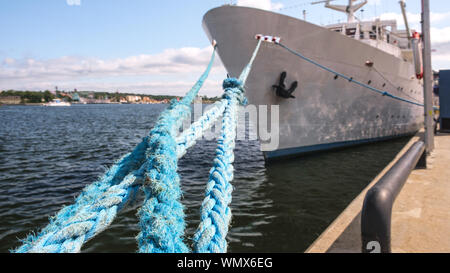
<point x="421" y="212"/>
<point x="420" y="216"/>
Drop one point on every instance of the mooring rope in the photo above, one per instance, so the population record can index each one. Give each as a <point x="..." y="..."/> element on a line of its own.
<point x="215" y="211"/>
<point x="384" y="93"/>
<point x="393" y="85"/>
<point x="64" y="233"/>
<point x="189" y="136"/>
<point x="98" y="204"/>
<point x="210" y="236"/>
<point x="162" y="216"/>
<point x="153" y="166"/>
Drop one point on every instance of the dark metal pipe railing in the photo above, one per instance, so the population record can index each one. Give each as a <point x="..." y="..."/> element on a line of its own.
<point x="377" y="208"/>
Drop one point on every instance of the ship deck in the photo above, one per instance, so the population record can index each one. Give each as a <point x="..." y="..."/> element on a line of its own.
<point x="420" y="215"/>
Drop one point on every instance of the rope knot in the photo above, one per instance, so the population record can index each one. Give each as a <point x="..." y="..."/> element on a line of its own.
<point x="234" y="87"/>
<point x="232" y="83"/>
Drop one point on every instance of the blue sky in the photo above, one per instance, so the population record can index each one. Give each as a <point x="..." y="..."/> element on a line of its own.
<point x="110" y="45"/>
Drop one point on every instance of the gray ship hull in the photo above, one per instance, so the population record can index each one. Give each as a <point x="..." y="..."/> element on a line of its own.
<point x="327" y="112"/>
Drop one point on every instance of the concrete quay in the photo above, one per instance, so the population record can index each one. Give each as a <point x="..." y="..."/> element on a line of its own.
<point x="420" y="214"/>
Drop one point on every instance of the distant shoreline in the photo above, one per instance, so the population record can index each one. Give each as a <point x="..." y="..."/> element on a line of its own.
<point x="15" y="97"/>
<point x="42" y="104"/>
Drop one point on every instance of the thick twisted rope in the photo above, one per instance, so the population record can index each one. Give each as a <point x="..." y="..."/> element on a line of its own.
<point x="98" y="204"/>
<point x="210" y="236"/>
<point x="215" y="211"/>
<point x="161" y="217"/>
<point x="188" y="137"/>
<point x="91" y="220"/>
<point x="68" y="229"/>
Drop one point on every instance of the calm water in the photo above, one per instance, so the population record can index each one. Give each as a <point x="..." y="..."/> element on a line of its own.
<point x="48" y="155"/>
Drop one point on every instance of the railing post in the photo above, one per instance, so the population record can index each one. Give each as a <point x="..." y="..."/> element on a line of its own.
<point x="427" y="77"/>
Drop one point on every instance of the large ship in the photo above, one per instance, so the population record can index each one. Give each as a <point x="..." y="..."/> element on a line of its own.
<point x="324" y="111"/>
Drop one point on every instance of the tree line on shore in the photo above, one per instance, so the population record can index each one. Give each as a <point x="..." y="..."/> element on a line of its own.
<point x="29" y="96"/>
<point x="47" y="96"/>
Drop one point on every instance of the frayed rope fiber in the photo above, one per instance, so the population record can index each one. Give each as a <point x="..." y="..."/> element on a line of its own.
<point x="215" y="218"/>
<point x="98" y="204"/>
<point x="152" y="166"/>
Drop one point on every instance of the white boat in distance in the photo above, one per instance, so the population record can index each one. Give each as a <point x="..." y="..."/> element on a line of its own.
<point x="327" y="111"/>
<point x="57" y="102"/>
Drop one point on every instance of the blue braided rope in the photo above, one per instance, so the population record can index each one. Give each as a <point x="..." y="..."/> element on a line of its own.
<point x="215" y="211"/>
<point x="244" y="74"/>
<point x="161" y="217"/>
<point x="210" y="236"/>
<point x="64" y="233"/>
<point x="188" y="137"/>
<point x="190" y="96"/>
<point x="384" y="93"/>
<point x="91" y="220"/>
<point x="98" y="204"/>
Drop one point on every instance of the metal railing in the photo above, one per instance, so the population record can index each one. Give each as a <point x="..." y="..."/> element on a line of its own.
<point x="377" y="207"/>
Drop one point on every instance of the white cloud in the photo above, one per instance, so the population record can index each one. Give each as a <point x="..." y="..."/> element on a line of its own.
<point x="438" y="35"/>
<point x="441" y="55"/>
<point x="260" y="4"/>
<point x="374" y="2"/>
<point x="441" y="61"/>
<point x="73" y="2"/>
<point x="277" y="6"/>
<point x="415" y="18"/>
<point x="9" y="61"/>
<point x="127" y="74"/>
<point x="170" y="61"/>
